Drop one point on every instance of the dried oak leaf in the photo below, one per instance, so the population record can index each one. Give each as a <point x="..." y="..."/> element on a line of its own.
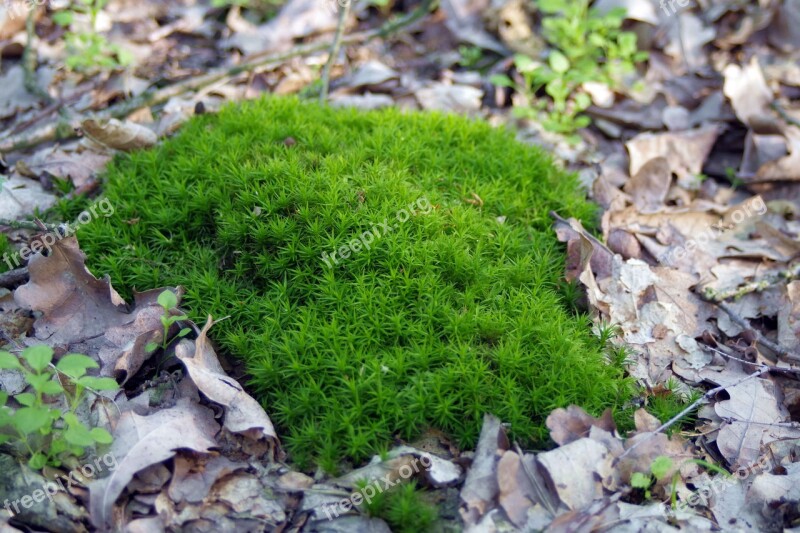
<point x="81" y="313"/>
<point x="750" y="417"/>
<point x="480" y="487"/>
<point x="573" y="423"/>
<point x="142" y="441"/>
<point x="242" y="413"/>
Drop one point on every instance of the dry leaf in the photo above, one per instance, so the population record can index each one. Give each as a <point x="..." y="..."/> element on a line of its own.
<point x="141" y="441"/>
<point x="125" y="136"/>
<point x="573" y="423"/>
<point x="242" y="413"/>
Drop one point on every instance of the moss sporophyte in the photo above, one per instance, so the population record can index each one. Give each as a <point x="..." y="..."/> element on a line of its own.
<point x="454" y="312"/>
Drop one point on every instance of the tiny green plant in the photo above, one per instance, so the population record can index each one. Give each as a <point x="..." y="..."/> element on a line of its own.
<point x="168" y="301"/>
<point x="45" y="426"/>
<point x="660" y="468"/>
<point x="88" y="50"/>
<point x="585" y="47"/>
<point x="471" y="56"/>
<point x="671" y="402"/>
<point x="403" y="507"/>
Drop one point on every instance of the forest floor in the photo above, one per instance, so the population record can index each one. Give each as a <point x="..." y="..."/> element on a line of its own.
<point x="694" y="163"/>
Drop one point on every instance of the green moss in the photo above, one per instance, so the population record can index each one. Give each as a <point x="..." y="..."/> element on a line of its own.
<point x="6" y="249"/>
<point x="404" y="508"/>
<point x="453" y="313"/>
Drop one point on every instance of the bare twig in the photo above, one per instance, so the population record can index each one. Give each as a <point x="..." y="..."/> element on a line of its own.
<point x="14" y="278"/>
<point x="779" y="277"/>
<point x="30" y="60"/>
<point x="344" y="11"/>
<point x="18" y="224"/>
<point x="760" y="338"/>
<point x="694" y="405"/>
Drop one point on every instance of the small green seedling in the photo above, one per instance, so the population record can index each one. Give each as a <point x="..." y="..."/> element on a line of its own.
<point x="168" y="301"/>
<point x="471" y="56"/>
<point x="89" y="51"/>
<point x="585" y="47"/>
<point x="48" y="433"/>
<point x="659" y="469"/>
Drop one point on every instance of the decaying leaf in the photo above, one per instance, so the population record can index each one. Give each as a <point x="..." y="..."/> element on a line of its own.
<point x="141" y="441"/>
<point x="750" y="417"/>
<point x="125" y="136"/>
<point x="81" y="313"/>
<point x="242" y="413"/>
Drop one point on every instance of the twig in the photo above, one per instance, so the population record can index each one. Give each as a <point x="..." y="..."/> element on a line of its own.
<point x="775" y="369"/>
<point x="52" y="132"/>
<point x="754" y="286"/>
<point x="30" y="60"/>
<point x="694" y="405"/>
<point x="14" y="278"/>
<point x="344" y="11"/>
<point x="760" y="338"/>
<point x="19" y="224"/>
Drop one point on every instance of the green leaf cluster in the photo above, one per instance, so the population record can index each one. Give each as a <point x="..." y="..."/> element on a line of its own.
<point x="89" y="51"/>
<point x="585" y="47"/>
<point x="48" y="433"/>
<point x="450" y="315"/>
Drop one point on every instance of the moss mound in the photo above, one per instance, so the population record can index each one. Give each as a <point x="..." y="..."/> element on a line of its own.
<point x="384" y="272"/>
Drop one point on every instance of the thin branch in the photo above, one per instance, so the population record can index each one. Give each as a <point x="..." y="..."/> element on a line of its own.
<point x="760" y="338"/>
<point x="694" y="405"/>
<point x="14" y="278"/>
<point x="30" y="59"/>
<point x="344" y="11"/>
<point x="19" y="224"/>
<point x="779" y="277"/>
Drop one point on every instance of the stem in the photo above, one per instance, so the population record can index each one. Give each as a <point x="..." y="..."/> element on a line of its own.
<point x="344" y="10"/>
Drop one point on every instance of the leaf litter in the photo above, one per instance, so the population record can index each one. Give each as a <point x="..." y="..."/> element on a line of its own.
<point x="695" y="262"/>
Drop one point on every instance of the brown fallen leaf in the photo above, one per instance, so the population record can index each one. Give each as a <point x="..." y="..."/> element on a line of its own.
<point x="685" y="151"/>
<point x="748" y="92"/>
<point x="125" y="136"/>
<point x="480" y="487"/>
<point x="141" y="441"/>
<point x="573" y="423"/>
<point x="81" y="313"/>
<point x="242" y="413"/>
<point x="649" y="186"/>
<point x="577" y="470"/>
<point x="195" y="475"/>
<point x="749" y="419"/>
